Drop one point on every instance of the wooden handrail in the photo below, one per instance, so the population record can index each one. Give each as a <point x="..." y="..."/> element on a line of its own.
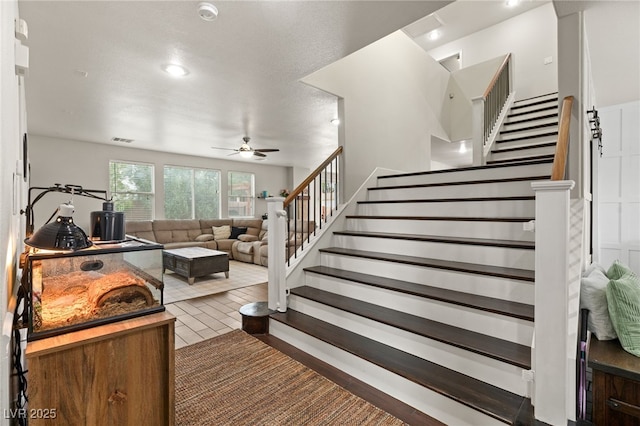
<point x="562" y="147"/>
<point x="300" y="188"/>
<point x="496" y="76"/>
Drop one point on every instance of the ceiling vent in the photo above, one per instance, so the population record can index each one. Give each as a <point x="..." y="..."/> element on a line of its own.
<point x="423" y="26"/>
<point x="121" y="140"/>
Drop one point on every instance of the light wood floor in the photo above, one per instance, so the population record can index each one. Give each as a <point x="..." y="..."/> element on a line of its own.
<point x="210" y="316"/>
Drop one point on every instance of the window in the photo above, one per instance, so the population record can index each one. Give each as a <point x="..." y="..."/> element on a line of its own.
<point x="132" y="189"/>
<point x="241" y="194"/>
<point x="191" y="193"/>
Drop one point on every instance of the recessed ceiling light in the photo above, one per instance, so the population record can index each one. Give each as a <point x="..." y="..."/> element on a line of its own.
<point x="512" y="3"/>
<point x="434" y="35"/>
<point x="335" y="121"/>
<point x="175" y="70"/>
<point x="207" y="11"/>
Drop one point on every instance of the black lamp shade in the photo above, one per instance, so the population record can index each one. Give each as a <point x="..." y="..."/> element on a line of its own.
<point x="62" y="234"/>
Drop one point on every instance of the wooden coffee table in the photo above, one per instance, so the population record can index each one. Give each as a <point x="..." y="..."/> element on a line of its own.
<point x="194" y="262"/>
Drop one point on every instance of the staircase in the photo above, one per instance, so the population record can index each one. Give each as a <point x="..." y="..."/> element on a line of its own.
<point x="427" y="293"/>
<point x="530" y="131"/>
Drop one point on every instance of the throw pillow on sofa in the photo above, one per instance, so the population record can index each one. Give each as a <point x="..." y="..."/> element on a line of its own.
<point x="236" y="231"/>
<point x="623" y="299"/>
<point x="204" y="237"/>
<point x="221" y="232"/>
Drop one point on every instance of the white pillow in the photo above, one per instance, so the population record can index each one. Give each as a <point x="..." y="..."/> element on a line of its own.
<point x="221" y="232"/>
<point x="593" y="296"/>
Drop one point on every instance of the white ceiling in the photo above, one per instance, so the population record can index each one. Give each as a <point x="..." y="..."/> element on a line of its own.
<point x="95" y="67"/>
<point x="244" y="71"/>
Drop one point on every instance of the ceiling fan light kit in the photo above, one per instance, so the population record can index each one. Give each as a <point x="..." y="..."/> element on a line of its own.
<point x="246" y="151"/>
<point x="207" y="11"/>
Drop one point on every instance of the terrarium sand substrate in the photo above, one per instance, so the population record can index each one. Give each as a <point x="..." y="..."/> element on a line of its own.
<point x="79" y="297"/>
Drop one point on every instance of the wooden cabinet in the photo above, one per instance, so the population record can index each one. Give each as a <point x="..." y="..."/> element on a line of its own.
<point x="616" y="384"/>
<point x="116" y="374"/>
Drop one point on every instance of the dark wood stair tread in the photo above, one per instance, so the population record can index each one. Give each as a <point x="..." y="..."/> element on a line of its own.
<point x="451" y="200"/>
<point x="528" y="245"/>
<point x="516" y="105"/>
<point x="445" y="218"/>
<point x="481" y="396"/>
<point x="527" y="128"/>
<point x="537" y="117"/>
<point x="495" y="271"/>
<point x="458" y="183"/>
<point x="527" y="137"/>
<point x="492" y="347"/>
<point x="539" y="108"/>
<point x="483" y="303"/>
<point x="462" y="169"/>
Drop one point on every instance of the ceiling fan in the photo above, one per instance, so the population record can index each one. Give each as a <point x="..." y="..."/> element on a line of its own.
<point x="247" y="151"/>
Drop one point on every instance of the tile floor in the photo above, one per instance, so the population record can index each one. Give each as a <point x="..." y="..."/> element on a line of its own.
<point x="209" y="316"/>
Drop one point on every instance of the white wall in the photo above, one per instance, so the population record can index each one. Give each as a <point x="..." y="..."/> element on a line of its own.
<point x="87" y="164"/>
<point x="530" y="37"/>
<point x="11" y="187"/>
<point x="392" y="95"/>
<point x="617" y="186"/>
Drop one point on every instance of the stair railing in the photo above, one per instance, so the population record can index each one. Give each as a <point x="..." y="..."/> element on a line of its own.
<point x="559" y="239"/>
<point x="295" y="219"/>
<point x="487" y="110"/>
<point x="562" y="146"/>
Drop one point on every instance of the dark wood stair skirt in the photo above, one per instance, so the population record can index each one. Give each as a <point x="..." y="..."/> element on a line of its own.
<point x="492" y="347"/>
<point x="488" y="399"/>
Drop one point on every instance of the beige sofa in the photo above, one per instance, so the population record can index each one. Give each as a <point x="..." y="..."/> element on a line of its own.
<point x="193" y="233"/>
<point x="256" y="250"/>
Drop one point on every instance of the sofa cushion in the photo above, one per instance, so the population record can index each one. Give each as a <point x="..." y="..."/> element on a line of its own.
<point x="176" y="230"/>
<point x="247" y="238"/>
<point x="221" y="232"/>
<point x="204" y="237"/>
<point x="253" y="225"/>
<point x="140" y="229"/>
<point x="207" y="224"/>
<point x="246" y="248"/>
<point x="236" y="231"/>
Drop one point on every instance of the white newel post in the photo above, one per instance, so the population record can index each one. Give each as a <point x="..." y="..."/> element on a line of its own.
<point x="551" y="370"/>
<point x="477" y="118"/>
<point x="277" y="226"/>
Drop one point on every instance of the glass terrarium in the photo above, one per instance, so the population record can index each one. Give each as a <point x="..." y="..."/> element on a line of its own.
<point x="98" y="285"/>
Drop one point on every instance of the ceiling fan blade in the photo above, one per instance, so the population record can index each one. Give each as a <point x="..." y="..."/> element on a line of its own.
<point x="258" y="153"/>
<point x="234" y="153"/>
<point x="225" y="149"/>
<point x="267" y="150"/>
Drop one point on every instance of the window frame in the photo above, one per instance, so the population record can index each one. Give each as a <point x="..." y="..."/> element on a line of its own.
<point x="251" y="198"/>
<point x="194" y="170"/>
<point x="113" y="186"/>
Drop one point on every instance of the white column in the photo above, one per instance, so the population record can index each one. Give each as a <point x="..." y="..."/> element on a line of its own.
<point x="277" y="225"/>
<point x="552" y="381"/>
<point x="477" y="124"/>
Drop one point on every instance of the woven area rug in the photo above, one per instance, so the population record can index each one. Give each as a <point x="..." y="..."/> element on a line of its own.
<point x="241" y="274"/>
<point x="235" y="379"/>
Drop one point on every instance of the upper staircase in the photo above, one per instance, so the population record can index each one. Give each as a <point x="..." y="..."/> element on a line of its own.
<point x="427" y="292"/>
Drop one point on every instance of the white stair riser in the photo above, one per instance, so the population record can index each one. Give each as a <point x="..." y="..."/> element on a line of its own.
<point x="502" y="189"/>
<point x="484" y="255"/>
<point x="532" y="115"/>
<point x="534" y="122"/>
<point x="500" y="326"/>
<point x="510" y="208"/>
<point x="486" y="369"/>
<point x="527" y="133"/>
<point x="436" y="405"/>
<point x="522" y="153"/>
<point x="468" y="175"/>
<point x="469" y="229"/>
<point x="525" y="142"/>
<point x="521" y="106"/>
<point x="484" y="285"/>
